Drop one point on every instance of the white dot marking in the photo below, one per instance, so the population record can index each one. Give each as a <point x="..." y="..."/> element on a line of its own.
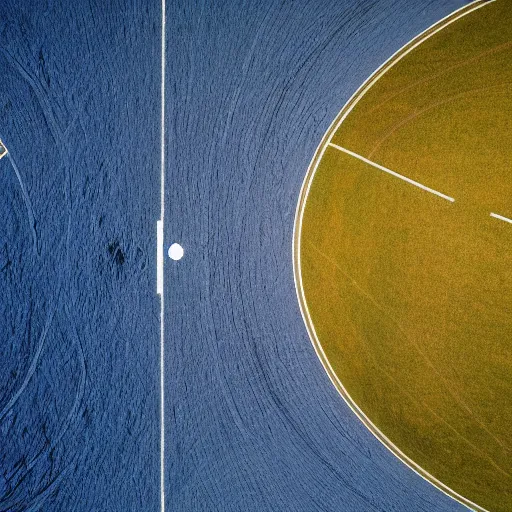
<point x="176" y="252"/>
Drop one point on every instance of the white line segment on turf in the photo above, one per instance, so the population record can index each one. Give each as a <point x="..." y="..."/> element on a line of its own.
<point x="500" y="217"/>
<point x="393" y="173"/>
<point x="160" y="266"/>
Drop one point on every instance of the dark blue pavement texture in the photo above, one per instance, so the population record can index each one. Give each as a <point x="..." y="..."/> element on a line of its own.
<point x="253" y="422"/>
<point x="79" y="327"/>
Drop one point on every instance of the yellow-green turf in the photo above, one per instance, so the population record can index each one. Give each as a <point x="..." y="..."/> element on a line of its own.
<point x="410" y="295"/>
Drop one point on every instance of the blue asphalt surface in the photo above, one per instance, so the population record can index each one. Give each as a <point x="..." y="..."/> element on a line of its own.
<point x="253" y="422"/>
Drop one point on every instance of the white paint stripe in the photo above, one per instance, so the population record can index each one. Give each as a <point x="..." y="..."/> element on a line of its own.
<point x="500" y="217"/>
<point x="160" y="267"/>
<point x="3" y="150"/>
<point x="393" y="173"/>
<point x="162" y="118"/>
<point x="159" y="257"/>
<point x="297" y="232"/>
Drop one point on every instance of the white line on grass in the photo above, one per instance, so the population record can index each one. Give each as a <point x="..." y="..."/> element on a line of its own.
<point x="393" y="173"/>
<point x="500" y="217"/>
<point x="160" y="267"/>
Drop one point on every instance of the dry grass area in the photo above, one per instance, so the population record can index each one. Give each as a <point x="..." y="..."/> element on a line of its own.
<point x="410" y="295"/>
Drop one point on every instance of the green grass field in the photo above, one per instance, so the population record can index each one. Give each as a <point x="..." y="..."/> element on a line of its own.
<point x="410" y="295"/>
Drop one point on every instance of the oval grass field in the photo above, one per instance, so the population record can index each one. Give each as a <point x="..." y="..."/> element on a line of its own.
<point x="402" y="254"/>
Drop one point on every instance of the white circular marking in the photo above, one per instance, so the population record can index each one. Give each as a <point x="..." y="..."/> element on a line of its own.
<point x="176" y="252"/>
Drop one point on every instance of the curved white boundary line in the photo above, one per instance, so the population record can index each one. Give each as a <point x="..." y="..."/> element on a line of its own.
<point x="3" y="149"/>
<point x="299" y="214"/>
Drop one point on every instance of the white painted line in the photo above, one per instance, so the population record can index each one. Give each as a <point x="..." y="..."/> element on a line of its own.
<point x="160" y="266"/>
<point x="162" y="118"/>
<point x="3" y="150"/>
<point x="500" y="217"/>
<point x="159" y="257"/>
<point x="393" y="173"/>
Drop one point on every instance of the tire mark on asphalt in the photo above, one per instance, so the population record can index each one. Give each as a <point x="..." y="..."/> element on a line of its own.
<point x="28" y="204"/>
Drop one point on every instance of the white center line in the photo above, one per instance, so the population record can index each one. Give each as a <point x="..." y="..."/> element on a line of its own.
<point x="160" y="267"/>
<point x="393" y="173"/>
<point x="500" y="217"/>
